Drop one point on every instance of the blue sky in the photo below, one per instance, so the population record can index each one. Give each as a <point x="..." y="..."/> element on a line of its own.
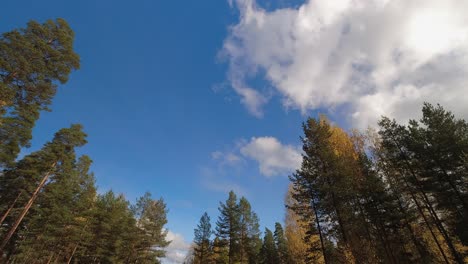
<point x="146" y="96"/>
<point x="189" y="99"/>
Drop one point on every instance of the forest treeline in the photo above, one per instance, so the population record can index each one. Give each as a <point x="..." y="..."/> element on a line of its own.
<point x="50" y="211"/>
<point x="397" y="194"/>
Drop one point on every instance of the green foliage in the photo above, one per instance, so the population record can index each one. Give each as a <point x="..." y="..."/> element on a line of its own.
<point x="250" y="242"/>
<point x="281" y="245"/>
<point x="48" y="200"/>
<point x="268" y="252"/>
<point x="425" y="161"/>
<point x="237" y="234"/>
<point x="33" y="61"/>
<point x="228" y="225"/>
<point x="202" y="247"/>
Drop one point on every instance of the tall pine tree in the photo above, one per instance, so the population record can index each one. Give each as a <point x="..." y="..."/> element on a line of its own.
<point x="202" y="247"/>
<point x="33" y="61"/>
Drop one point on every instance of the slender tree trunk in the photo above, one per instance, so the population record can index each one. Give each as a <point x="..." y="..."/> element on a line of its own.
<point x="428" y="204"/>
<point x="319" y="229"/>
<point x="202" y="252"/>
<point x="72" y="254"/>
<point x="50" y="258"/>
<point x="242" y="247"/>
<point x="10" y="208"/>
<point x="410" y="229"/>
<point x="397" y="191"/>
<point x="380" y="231"/>
<point x="454" y="187"/>
<point x="231" y="247"/>
<point x="421" y="212"/>
<point x="25" y="210"/>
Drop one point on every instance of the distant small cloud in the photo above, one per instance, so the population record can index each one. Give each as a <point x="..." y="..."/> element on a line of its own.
<point x="216" y="155"/>
<point x="273" y="157"/>
<point x="212" y="180"/>
<point x="226" y="158"/>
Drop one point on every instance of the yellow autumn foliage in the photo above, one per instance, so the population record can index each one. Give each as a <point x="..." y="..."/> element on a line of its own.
<point x="295" y="233"/>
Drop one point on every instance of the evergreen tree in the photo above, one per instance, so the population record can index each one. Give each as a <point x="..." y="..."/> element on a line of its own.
<point x="203" y="232"/>
<point x="228" y="225"/>
<point x="50" y="165"/>
<point x="415" y="153"/>
<point x="58" y="221"/>
<point x="281" y="245"/>
<point x="249" y="233"/>
<point x="301" y="246"/>
<point x="324" y="183"/>
<point x="439" y="143"/>
<point x="268" y="253"/>
<point x="220" y="251"/>
<point x="114" y="231"/>
<point x="338" y="189"/>
<point x="150" y="218"/>
<point x="33" y="61"/>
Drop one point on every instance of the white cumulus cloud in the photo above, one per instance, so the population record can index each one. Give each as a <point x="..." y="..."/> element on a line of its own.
<point x="371" y="57"/>
<point x="273" y="157"/>
<point x="177" y="249"/>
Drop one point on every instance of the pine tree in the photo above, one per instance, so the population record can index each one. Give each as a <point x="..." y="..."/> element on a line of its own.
<point x="268" y="253"/>
<point x="281" y="244"/>
<point x="324" y="183"/>
<point x="58" y="221"/>
<point x="220" y="251"/>
<point x="439" y="143"/>
<point x="415" y="152"/>
<point x="150" y="219"/>
<point x="114" y="232"/>
<point x="249" y="233"/>
<point x="301" y="247"/>
<point x="228" y="225"/>
<point x="33" y="61"/>
<point x="203" y="232"/>
<point x="30" y="175"/>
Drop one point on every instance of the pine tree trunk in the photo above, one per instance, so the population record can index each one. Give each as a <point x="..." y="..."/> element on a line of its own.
<point x="421" y="212"/>
<point x="428" y="204"/>
<point x="452" y="185"/>
<point x="72" y="254"/>
<point x="50" y="258"/>
<point x="410" y="229"/>
<point x="319" y="229"/>
<point x="10" y="208"/>
<point x="25" y="210"/>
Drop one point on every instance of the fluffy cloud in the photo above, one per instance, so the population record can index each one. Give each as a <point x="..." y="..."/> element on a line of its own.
<point x="371" y="57"/>
<point x="273" y="157"/>
<point x="177" y="249"/>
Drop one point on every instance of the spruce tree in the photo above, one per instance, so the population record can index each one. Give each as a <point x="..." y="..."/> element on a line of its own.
<point x="202" y="247"/>
<point x="249" y="233"/>
<point x="269" y="253"/>
<point x="220" y="251"/>
<point x="228" y="226"/>
<point x="281" y="245"/>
